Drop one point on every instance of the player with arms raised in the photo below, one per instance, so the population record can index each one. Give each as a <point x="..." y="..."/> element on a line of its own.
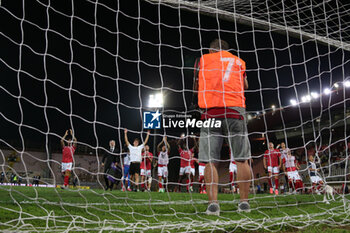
<point x="185" y="167"/>
<point x="67" y="156"/>
<point x="272" y="162"/>
<point x="163" y="161"/>
<point x="135" y="158"/>
<point x="221" y="84"/>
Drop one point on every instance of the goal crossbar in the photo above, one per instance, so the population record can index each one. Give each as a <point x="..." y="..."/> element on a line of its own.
<point x="253" y="22"/>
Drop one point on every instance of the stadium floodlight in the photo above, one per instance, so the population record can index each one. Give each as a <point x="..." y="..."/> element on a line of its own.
<point x="327" y="91"/>
<point x="314" y="95"/>
<point x="347" y="83"/>
<point x="293" y="102"/>
<point x="306" y="98"/>
<point x="155" y="101"/>
<point x="273" y="107"/>
<point x="336" y="85"/>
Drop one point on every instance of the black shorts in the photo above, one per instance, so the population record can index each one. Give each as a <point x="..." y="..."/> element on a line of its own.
<point x="134" y="168"/>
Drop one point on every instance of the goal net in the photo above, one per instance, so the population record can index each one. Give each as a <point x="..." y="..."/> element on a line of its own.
<point x="96" y="68"/>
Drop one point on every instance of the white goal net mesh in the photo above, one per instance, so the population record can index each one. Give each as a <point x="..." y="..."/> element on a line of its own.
<point x="96" y="67"/>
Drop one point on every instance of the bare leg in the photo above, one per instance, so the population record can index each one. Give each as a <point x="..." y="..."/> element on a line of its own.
<point x="211" y="179"/>
<point x="137" y="180"/>
<point x="160" y="185"/>
<point x="142" y="181"/>
<point x="243" y="177"/>
<point x="132" y="179"/>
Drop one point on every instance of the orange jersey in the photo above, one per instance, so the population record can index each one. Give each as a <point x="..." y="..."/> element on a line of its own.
<point x="221" y="80"/>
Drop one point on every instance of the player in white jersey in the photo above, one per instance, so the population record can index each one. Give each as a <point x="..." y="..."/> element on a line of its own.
<point x="135" y="157"/>
<point x="283" y="151"/>
<point x="314" y="177"/>
<point x="163" y="161"/>
<point x="291" y="167"/>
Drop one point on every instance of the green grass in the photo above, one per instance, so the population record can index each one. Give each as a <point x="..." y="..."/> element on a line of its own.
<point x="49" y="209"/>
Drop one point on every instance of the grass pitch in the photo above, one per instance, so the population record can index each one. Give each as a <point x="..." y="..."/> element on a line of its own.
<point x="54" y="210"/>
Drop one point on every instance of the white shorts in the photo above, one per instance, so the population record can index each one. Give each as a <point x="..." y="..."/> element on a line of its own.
<point x="67" y="167"/>
<point x="315" y="179"/>
<point x="293" y="175"/>
<point x="274" y="170"/>
<point x="145" y="172"/>
<point x="193" y="171"/>
<point x="201" y="170"/>
<point x="163" y="171"/>
<point x="233" y="168"/>
<point x="185" y="170"/>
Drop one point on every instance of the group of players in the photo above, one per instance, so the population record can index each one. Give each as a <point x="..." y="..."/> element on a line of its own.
<point x="137" y="162"/>
<point x="281" y="157"/>
<point x="140" y="164"/>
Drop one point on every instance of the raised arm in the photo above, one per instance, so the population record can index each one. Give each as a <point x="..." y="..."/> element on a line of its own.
<point x="159" y="147"/>
<point x="126" y="137"/>
<point x="166" y="143"/>
<point x="63" y="138"/>
<point x="147" y="137"/>
<point x="74" y="138"/>
<point x="178" y="144"/>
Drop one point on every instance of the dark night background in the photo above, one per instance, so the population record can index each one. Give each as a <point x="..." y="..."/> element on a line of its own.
<point x="93" y="68"/>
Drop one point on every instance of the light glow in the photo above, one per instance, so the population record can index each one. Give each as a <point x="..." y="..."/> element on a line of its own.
<point x="347" y="83"/>
<point x="327" y="91"/>
<point x="293" y="102"/>
<point x="155" y="101"/>
<point x="314" y="95"/>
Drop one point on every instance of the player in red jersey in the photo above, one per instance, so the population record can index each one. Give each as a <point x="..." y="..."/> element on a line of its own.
<point x="146" y="169"/>
<point x="163" y="161"/>
<point x="185" y="167"/>
<point x="291" y="167"/>
<point x="272" y="162"/>
<point x="67" y="156"/>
